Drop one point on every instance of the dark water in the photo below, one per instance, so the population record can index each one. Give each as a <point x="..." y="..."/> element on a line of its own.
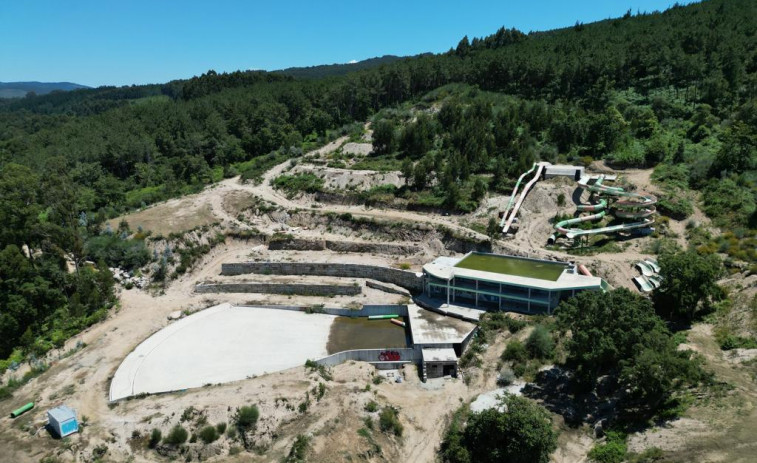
<point x="360" y="333"/>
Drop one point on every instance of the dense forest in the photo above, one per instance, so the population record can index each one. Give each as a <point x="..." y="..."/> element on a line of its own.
<point x="673" y="90"/>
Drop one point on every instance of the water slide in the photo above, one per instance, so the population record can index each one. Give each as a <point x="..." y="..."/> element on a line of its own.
<point x="631" y="206"/>
<point x="643" y="283"/>
<point x="522" y="196"/>
<point x="512" y="196"/>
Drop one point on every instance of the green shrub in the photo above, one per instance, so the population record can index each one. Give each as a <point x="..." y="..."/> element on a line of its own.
<point x="299" y="450"/>
<point x="155" y="437"/>
<point x="561" y="200"/>
<point x="209" y="434"/>
<point x="247" y="417"/>
<point x="539" y="343"/>
<point x="515" y="352"/>
<point x="371" y="406"/>
<point x="177" y="436"/>
<point x="612" y="451"/>
<point x="221" y="428"/>
<point x="299" y="183"/>
<point x="389" y="421"/>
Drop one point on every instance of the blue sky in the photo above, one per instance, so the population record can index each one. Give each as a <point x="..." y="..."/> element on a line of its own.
<point x="110" y="42"/>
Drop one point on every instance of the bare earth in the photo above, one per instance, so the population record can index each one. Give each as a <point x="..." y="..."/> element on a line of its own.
<point x="718" y="431"/>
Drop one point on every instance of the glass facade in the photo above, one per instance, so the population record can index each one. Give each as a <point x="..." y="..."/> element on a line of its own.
<point x="492" y="295"/>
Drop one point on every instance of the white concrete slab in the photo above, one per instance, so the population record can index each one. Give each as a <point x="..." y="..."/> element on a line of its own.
<point x="221" y="344"/>
<point x="429" y="328"/>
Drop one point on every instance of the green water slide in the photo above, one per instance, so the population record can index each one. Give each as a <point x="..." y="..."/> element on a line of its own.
<point x="632" y="205"/>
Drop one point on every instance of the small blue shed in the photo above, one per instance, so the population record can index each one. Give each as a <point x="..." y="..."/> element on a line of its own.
<point x="63" y="420"/>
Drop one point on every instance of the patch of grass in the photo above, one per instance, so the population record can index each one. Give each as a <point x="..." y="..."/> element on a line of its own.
<point x="299" y="450"/>
<point x="613" y="450"/>
<point x="371" y="406"/>
<point x="299" y="183"/>
<point x="321" y="369"/>
<point x="389" y="421"/>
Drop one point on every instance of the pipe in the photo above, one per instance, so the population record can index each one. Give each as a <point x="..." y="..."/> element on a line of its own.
<point x="398" y="322"/>
<point x="382" y="317"/>
<point x="20" y="411"/>
<point x="582" y="269"/>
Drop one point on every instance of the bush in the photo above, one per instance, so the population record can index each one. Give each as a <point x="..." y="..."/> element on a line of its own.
<point x="515" y="352"/>
<point x="612" y="451"/>
<point x="293" y="184"/>
<point x="221" y="428"/>
<point x="522" y="434"/>
<point x="299" y="450"/>
<point x="561" y="200"/>
<point x="371" y="406"/>
<point x="539" y="343"/>
<point x="209" y="434"/>
<point x="505" y="377"/>
<point x="155" y="437"/>
<point x="177" y="436"/>
<point x="389" y="421"/>
<point x="247" y="417"/>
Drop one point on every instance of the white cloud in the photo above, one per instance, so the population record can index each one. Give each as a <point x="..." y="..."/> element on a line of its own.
<point x="352" y="61"/>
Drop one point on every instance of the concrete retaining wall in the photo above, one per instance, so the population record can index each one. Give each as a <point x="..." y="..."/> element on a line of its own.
<point x="366" y="311"/>
<point x="386" y="289"/>
<point x="279" y="288"/>
<point x="407" y="354"/>
<point x="408" y="280"/>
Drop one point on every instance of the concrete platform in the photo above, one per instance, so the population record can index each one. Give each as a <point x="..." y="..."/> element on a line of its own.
<point x="430" y="328"/>
<point x="465" y="313"/>
<point x="219" y="345"/>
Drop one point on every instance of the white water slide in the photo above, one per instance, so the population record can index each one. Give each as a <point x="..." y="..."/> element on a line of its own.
<point x="508" y="219"/>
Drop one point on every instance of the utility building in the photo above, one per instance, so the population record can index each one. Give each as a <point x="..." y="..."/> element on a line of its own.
<point x="63" y="420"/>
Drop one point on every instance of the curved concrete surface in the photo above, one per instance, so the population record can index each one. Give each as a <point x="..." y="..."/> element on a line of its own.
<point x="219" y="345"/>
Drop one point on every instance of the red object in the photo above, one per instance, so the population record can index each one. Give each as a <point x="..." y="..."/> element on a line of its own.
<point x="389" y="356"/>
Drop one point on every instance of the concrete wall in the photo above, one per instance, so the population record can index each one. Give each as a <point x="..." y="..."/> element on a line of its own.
<point x="366" y="311"/>
<point x="386" y="289"/>
<point x="408" y="280"/>
<point x="279" y="288"/>
<point x="407" y="354"/>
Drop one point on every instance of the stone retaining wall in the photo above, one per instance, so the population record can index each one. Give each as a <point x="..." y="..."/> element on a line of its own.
<point x="408" y="280"/>
<point x="299" y="244"/>
<point x="280" y="288"/>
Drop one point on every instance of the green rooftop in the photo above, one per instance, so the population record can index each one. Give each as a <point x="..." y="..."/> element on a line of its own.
<point x="508" y="265"/>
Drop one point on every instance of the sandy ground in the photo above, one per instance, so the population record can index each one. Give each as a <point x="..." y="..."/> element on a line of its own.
<point x="219" y="345"/>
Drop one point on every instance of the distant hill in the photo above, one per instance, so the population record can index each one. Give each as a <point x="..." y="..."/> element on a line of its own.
<point x="329" y="70"/>
<point x="20" y="89"/>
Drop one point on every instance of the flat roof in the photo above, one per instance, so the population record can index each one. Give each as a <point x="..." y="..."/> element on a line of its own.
<point x="511" y="265"/>
<point x="427" y="327"/>
<point x="438" y="354"/>
<point x="565" y="281"/>
<point x="62" y="413"/>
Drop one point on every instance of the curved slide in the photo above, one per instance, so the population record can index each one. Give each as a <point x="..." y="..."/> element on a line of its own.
<point x="631" y="206"/>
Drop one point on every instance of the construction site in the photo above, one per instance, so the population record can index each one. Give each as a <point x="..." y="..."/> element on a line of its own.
<point x="385" y="300"/>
